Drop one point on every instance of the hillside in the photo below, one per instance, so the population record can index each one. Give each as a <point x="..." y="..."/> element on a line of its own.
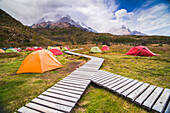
<point x="73" y="35"/>
<point x="14" y="34"/>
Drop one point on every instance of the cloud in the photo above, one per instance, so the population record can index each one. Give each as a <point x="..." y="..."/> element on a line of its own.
<point x="101" y="15"/>
<point x="123" y="14"/>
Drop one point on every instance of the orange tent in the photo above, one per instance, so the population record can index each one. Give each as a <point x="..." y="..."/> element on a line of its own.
<point x="39" y="62"/>
<point x="2" y="51"/>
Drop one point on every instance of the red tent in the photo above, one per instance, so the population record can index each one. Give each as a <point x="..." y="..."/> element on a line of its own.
<point x="56" y="51"/>
<point x="140" y="51"/>
<point x="105" y="48"/>
<point x="29" y="49"/>
<point x="39" y="48"/>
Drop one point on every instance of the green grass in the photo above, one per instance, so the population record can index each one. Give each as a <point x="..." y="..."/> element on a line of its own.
<point x="99" y="100"/>
<point x="17" y="90"/>
<point x="153" y="70"/>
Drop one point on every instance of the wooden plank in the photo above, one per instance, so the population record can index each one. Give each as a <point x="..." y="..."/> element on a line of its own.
<point x="101" y="78"/>
<point x="144" y="95"/>
<point x="60" y="96"/>
<point x="121" y="90"/>
<point x="67" y="90"/>
<point x="162" y="101"/>
<point x="121" y="85"/>
<point x="104" y="79"/>
<point x="131" y="89"/>
<point x="42" y="108"/>
<point x="68" y="87"/>
<point x="27" y="110"/>
<point x="85" y="73"/>
<point x="117" y="83"/>
<point x="138" y="91"/>
<point x="52" y="105"/>
<point x="64" y="93"/>
<point x="75" y="76"/>
<point x="152" y="98"/>
<point x="114" y="81"/>
<point x="76" y="81"/>
<point x="72" y="85"/>
<point x="73" y="82"/>
<point x="56" y="100"/>
<point x="83" y="76"/>
<point x="87" y="69"/>
<point x="167" y="108"/>
<point x="109" y="80"/>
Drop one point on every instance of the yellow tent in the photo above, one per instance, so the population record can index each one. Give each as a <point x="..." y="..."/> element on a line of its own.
<point x="39" y="62"/>
<point x="2" y="51"/>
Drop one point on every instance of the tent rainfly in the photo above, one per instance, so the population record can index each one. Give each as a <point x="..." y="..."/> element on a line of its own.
<point x="140" y="51"/>
<point x="39" y="62"/>
<point x="95" y="50"/>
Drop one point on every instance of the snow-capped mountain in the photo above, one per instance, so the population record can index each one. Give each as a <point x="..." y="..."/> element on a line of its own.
<point x="61" y="22"/>
<point x="124" y="31"/>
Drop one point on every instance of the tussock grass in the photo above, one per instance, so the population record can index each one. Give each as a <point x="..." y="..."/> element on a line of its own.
<point x="153" y="70"/>
<point x="17" y="90"/>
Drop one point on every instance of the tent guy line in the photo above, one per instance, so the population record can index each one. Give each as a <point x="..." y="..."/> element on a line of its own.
<point x="63" y="96"/>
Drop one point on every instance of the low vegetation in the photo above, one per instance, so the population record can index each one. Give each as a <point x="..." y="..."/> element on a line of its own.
<point x="17" y="90"/>
<point x="153" y="70"/>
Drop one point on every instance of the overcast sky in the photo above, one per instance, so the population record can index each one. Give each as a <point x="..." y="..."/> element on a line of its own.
<point x="148" y="16"/>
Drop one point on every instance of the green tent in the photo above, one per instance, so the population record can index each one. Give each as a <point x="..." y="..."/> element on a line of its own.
<point x="95" y="50"/>
<point x="50" y="48"/>
<point x="64" y="49"/>
<point x="11" y="51"/>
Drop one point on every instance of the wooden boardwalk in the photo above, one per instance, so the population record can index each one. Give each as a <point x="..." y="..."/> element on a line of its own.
<point x="149" y="96"/>
<point x="63" y="96"/>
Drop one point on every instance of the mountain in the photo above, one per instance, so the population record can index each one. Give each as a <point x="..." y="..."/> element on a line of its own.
<point x="14" y="34"/>
<point x="60" y="22"/>
<point x="124" y="31"/>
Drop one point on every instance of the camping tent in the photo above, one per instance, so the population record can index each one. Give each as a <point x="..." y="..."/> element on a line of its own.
<point x="50" y="48"/>
<point x="64" y="49"/>
<point x="55" y="51"/>
<point x="140" y="51"/>
<point x="39" y="48"/>
<point x="2" y="51"/>
<point x="17" y="49"/>
<point x="68" y="48"/>
<point x="95" y="50"/>
<point x="105" y="48"/>
<point x="39" y="62"/>
<point x="29" y="49"/>
<point x="11" y="51"/>
<point x="35" y="47"/>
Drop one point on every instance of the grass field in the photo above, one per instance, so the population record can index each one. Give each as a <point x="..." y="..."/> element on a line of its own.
<point x="17" y="90"/>
<point x="153" y="70"/>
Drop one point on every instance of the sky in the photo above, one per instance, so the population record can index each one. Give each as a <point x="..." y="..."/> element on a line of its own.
<point x="151" y="17"/>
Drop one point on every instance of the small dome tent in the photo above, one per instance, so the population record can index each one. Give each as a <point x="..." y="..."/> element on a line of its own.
<point x="95" y="50"/>
<point x="39" y="62"/>
<point x="2" y="51"/>
<point x="11" y="51"/>
<point x="55" y="51"/>
<point x="140" y="51"/>
<point x="105" y="48"/>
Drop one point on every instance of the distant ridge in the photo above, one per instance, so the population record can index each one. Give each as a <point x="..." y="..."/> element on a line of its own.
<point x="61" y="22"/>
<point x="15" y="34"/>
<point x="125" y="31"/>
